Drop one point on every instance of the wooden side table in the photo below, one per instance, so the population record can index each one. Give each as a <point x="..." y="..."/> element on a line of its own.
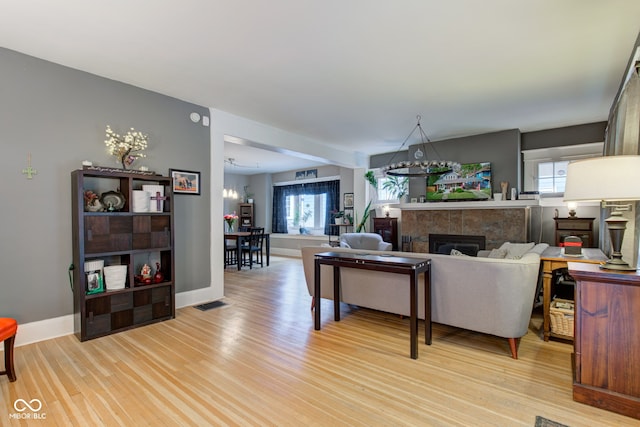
<point x="606" y="346"/>
<point x="552" y="259"/>
<point x="387" y="227"/>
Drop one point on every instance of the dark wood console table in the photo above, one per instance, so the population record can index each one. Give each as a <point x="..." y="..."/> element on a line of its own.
<point x="606" y="345"/>
<point x="412" y="267"/>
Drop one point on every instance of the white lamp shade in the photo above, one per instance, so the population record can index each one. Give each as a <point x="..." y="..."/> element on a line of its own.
<point x="609" y="178"/>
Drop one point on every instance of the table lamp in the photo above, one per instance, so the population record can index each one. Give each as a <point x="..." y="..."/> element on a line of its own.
<point x="607" y="179"/>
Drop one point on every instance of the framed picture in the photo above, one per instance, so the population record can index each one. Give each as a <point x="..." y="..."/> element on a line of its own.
<point x="301" y="175"/>
<point x="348" y="200"/>
<point x="185" y="182"/>
<point x="95" y="282"/>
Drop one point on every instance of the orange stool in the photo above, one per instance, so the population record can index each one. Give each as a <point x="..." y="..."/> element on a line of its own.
<point x="8" y="329"/>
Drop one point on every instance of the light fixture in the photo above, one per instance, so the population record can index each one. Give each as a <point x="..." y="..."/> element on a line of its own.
<point x="232" y="162"/>
<point x="229" y="194"/>
<point x="607" y="179"/>
<point x="419" y="167"/>
<point x="572" y="206"/>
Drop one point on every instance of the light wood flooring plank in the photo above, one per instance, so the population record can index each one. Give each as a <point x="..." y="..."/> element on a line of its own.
<point x="258" y="361"/>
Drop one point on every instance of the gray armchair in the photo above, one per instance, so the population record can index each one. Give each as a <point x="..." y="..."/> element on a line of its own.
<point x="369" y="241"/>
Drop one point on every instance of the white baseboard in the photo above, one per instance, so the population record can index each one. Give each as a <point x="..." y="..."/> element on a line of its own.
<point x="47" y="329"/>
<point x="198" y="296"/>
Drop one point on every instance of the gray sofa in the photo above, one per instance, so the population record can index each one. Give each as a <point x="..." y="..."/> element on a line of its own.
<point x="489" y="295"/>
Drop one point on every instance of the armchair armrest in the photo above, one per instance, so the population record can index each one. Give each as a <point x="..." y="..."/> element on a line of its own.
<point x="384" y="246"/>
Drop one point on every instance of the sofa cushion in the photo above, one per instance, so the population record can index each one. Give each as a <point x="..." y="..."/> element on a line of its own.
<point x="497" y="253"/>
<point x="516" y="250"/>
<point x="456" y="252"/>
<point x="539" y="248"/>
<point x="470" y="249"/>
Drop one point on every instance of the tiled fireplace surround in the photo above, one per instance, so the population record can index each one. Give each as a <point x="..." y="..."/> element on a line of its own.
<point x="497" y="225"/>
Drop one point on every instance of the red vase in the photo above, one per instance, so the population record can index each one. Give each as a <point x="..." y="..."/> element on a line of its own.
<point x="158" y="277"/>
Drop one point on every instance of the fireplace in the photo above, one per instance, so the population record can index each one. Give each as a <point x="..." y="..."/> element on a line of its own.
<point x="468" y="245"/>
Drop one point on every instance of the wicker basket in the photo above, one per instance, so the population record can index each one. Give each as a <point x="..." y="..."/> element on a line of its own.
<point x="115" y="276"/>
<point x="562" y="317"/>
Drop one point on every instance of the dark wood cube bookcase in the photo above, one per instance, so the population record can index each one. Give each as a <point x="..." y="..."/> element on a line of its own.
<point x="126" y="238"/>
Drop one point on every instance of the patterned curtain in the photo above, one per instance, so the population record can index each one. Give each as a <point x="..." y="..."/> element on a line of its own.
<point x="623" y="138"/>
<point x="623" y="129"/>
<point x="280" y="194"/>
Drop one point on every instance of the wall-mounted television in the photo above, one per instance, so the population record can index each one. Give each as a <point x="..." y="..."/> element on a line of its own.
<point x="471" y="182"/>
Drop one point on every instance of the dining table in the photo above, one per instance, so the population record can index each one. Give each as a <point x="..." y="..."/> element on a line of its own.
<point x="240" y="237"/>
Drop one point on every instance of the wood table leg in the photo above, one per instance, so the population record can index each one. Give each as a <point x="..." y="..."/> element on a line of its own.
<point x="413" y="311"/>
<point x="336" y="293"/>
<point x="427" y="306"/>
<point x="546" y="301"/>
<point x="316" y="295"/>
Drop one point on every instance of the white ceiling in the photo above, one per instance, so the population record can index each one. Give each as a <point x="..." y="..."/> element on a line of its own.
<point x="350" y="73"/>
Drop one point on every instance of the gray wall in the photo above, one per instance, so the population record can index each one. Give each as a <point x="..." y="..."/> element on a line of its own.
<point x="502" y="149"/>
<point x="569" y="135"/>
<point x="59" y="115"/>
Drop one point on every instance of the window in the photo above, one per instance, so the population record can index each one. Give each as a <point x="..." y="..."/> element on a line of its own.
<point x="306" y="213"/>
<point x="305" y="208"/>
<point x="552" y="176"/>
<point x="389" y="187"/>
<point x="545" y="169"/>
<point x="383" y="193"/>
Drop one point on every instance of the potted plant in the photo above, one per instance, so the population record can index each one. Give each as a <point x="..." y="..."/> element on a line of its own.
<point x="306" y="214"/>
<point x="396" y="186"/>
<point x="348" y="219"/>
<point x="248" y="196"/>
<point x="371" y="179"/>
<point x="361" y="227"/>
<point x="338" y="216"/>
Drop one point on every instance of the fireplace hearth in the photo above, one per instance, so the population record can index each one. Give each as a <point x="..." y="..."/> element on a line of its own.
<point x="496" y="223"/>
<point x="467" y="244"/>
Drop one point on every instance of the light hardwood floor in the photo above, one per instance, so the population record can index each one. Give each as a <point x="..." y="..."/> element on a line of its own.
<point x="258" y="361"/>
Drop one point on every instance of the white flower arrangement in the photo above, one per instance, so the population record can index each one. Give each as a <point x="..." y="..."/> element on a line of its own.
<point x="126" y="148"/>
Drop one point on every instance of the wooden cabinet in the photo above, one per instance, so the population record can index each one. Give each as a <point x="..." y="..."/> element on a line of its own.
<point x="579" y="227"/>
<point x="246" y="215"/>
<point x="606" y="345"/>
<point x="121" y="237"/>
<point x="387" y="227"/>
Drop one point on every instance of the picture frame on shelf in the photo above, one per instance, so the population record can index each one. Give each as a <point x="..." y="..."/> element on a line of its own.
<point x="95" y="282"/>
<point x="348" y="201"/>
<point x="185" y="182"/>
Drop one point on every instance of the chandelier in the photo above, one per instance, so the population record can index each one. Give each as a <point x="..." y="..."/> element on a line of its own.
<point x="419" y="167"/>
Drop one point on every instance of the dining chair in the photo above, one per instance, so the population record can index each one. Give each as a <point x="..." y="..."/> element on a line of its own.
<point x="254" y="246"/>
<point x="8" y="329"/>
<point x="230" y="250"/>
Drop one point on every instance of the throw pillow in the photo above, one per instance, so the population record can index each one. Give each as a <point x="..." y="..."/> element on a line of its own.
<point x="497" y="253"/>
<point x="516" y="250"/>
<point x="456" y="252"/>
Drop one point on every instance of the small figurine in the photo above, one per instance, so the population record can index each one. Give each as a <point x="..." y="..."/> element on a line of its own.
<point x="92" y="202"/>
<point x="146" y="271"/>
<point x="503" y="186"/>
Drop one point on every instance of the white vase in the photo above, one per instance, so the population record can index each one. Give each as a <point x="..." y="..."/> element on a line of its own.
<point x="338" y="221"/>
